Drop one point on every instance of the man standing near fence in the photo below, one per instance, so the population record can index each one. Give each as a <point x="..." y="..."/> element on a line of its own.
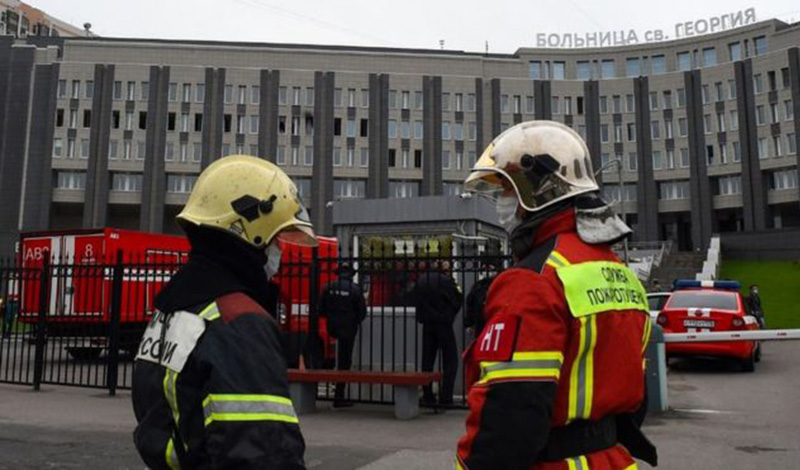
<point x="559" y="364"/>
<point x="342" y="303"/>
<point x="437" y="300"/>
<point x="210" y="389"/>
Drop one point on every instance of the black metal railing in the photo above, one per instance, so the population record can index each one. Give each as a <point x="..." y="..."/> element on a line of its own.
<point x="79" y="324"/>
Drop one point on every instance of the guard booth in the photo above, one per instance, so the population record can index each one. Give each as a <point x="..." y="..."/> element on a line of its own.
<point x="389" y="242"/>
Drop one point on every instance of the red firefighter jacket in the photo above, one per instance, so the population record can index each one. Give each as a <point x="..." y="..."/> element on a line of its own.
<point x="563" y="345"/>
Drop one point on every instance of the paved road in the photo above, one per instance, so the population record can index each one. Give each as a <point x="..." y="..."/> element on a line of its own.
<point x="722" y="419"/>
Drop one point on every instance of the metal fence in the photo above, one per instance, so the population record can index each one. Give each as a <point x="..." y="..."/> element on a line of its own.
<point x="79" y="324"/>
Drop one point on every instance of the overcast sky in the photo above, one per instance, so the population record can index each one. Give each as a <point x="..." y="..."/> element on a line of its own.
<point x="463" y="25"/>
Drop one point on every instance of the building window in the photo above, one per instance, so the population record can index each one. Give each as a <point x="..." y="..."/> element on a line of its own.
<point x="535" y="70"/>
<point x="404" y="189"/>
<point x="631" y="132"/>
<point x="418" y="130"/>
<point x="445" y="130"/>
<point x="733" y="116"/>
<point x="295" y="96"/>
<point x="706" y="95"/>
<point x="89" y="90"/>
<point x="282" y="95"/>
<point x="707" y="124"/>
<point x="583" y="70"/>
<point x="616" y="101"/>
<point x="618" y="133"/>
<point x="58" y="148"/>
<point x="721" y="122"/>
<point x="503" y="103"/>
<point x="684" y="158"/>
<point x="405" y="100"/>
<point x="131" y="91"/>
<point x="446" y="164"/>
<point x="126" y="182"/>
<point x="788" y="108"/>
<point x="71" y="180"/>
<point x="761" y="117"/>
<point x="180" y="183"/>
<point x="280" y="158"/>
<point x="392" y="99"/>
<point x="308" y="155"/>
<point x="658" y="160"/>
<point x="364" y="98"/>
<point x="603" y="105"/>
<point x="62" y="89"/>
<point x="559" y="70"/>
<point x="349" y="189"/>
<point x="200" y="92"/>
<point x="634" y="66"/>
<point x="351" y="128"/>
<point x="392" y="129"/>
<point x="458" y="131"/>
<point x="172" y="92"/>
<point x="567" y="105"/>
<point x="668" y="129"/>
<point x="720" y="94"/>
<point x="255" y="94"/>
<point x="684" y="61"/>
<point x="604" y="136"/>
<point x="791" y="144"/>
<point x="419" y="101"/>
<point x="555" y="106"/>
<point x="709" y="57"/>
<point x="786" y="179"/>
<point x="607" y="69"/>
<point x="364" y="157"/>
<point x="776" y="145"/>
<point x="254" y="122"/>
<point x="653" y="100"/>
<point x="758" y="83"/>
<point x="633" y="162"/>
<point x="681" y="97"/>
<point x="117" y="91"/>
<point x="735" y="51"/>
<point x="659" y="64"/>
<point x="723" y="154"/>
<point x="471" y="102"/>
<point x="672" y="190"/>
<point x="630" y="103"/>
<point x="87" y="118"/>
<point x="763" y="148"/>
<point x="737" y="152"/>
<point x="730" y="185"/>
<point x="760" y="45"/>
<point x="310" y="96"/>
<point x="84" y="148"/>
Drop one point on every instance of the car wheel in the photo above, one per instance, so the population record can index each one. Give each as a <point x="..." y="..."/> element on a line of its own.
<point x="749" y="365"/>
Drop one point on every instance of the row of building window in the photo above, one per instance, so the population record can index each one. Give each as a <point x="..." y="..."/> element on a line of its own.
<point x="605" y="69"/>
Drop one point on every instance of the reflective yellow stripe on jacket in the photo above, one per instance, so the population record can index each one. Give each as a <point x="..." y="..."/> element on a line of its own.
<point x="172" y="456"/>
<point x="524" y="365"/>
<point x="211" y="312"/>
<point x="578" y="463"/>
<point x="236" y="407"/>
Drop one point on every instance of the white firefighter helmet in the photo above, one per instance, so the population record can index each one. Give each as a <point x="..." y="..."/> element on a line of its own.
<point x="250" y="198"/>
<point x="543" y="162"/>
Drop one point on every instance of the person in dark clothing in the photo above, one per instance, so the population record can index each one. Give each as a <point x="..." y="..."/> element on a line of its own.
<point x="210" y="388"/>
<point x="437" y="301"/>
<point x="754" y="306"/>
<point x="342" y="303"/>
<point x="474" y="307"/>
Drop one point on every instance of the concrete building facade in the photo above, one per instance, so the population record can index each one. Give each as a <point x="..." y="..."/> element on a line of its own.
<point x="108" y="131"/>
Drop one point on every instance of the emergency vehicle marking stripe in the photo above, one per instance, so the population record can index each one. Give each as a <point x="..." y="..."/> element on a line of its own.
<point x="582" y="375"/>
<point x="234" y="407"/>
<point x="172" y="456"/>
<point x="210" y="313"/>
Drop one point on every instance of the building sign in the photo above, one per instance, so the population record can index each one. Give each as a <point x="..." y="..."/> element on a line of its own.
<point x="629" y="37"/>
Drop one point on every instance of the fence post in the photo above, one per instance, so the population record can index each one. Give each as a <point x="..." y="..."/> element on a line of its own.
<point x="656" y="372"/>
<point x="41" y="324"/>
<point x="313" y="343"/>
<point x="112" y="368"/>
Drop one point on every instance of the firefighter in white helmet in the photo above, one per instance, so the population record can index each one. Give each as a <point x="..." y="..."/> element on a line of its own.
<point x="210" y="388"/>
<point x="557" y="372"/>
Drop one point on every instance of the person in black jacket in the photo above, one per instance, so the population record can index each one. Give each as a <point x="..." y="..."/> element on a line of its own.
<point x="342" y="303"/>
<point x="210" y="388"/>
<point x="475" y="306"/>
<point x="437" y="301"/>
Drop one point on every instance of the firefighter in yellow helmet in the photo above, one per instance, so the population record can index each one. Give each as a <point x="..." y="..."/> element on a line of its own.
<point x="210" y="389"/>
<point x="557" y="372"/>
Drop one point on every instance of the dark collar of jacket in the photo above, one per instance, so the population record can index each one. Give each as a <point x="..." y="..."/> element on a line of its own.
<point x="218" y="264"/>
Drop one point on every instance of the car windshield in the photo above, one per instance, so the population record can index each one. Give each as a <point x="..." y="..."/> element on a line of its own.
<point x="656" y="302"/>
<point x="704" y="299"/>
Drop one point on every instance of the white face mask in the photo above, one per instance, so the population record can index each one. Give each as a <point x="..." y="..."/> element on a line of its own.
<point x="507" y="212"/>
<point x="273" y="259"/>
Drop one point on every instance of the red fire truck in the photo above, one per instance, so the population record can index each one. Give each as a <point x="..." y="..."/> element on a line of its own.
<point x="81" y="277"/>
<point x="80" y="280"/>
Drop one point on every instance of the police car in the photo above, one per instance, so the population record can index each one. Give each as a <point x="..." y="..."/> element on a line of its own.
<point x="706" y="306"/>
<point x="656" y="302"/>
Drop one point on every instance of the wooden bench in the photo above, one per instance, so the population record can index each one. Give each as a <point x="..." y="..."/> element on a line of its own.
<point x="303" y="387"/>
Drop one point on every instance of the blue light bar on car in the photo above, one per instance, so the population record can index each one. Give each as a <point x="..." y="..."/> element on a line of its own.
<point x="692" y="284"/>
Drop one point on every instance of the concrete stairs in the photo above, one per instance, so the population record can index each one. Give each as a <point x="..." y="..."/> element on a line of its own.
<point x="678" y="265"/>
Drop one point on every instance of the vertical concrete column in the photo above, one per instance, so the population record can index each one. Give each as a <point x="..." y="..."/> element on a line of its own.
<point x="39" y="173"/>
<point x="481" y="140"/>
<point x="155" y="179"/>
<point x="646" y="189"/>
<point x="495" y="88"/>
<point x="794" y="73"/>
<point x="268" y="114"/>
<point x="378" y="181"/>
<point x="432" y="137"/>
<point x="754" y="192"/>
<point x="322" y="171"/>
<point x="16" y="70"/>
<point x="98" y="179"/>
<point x="591" y="97"/>
<point x="701" y="199"/>
<point x="212" y="115"/>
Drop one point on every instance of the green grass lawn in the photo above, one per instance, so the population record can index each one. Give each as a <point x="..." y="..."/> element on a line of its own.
<point x="779" y="287"/>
